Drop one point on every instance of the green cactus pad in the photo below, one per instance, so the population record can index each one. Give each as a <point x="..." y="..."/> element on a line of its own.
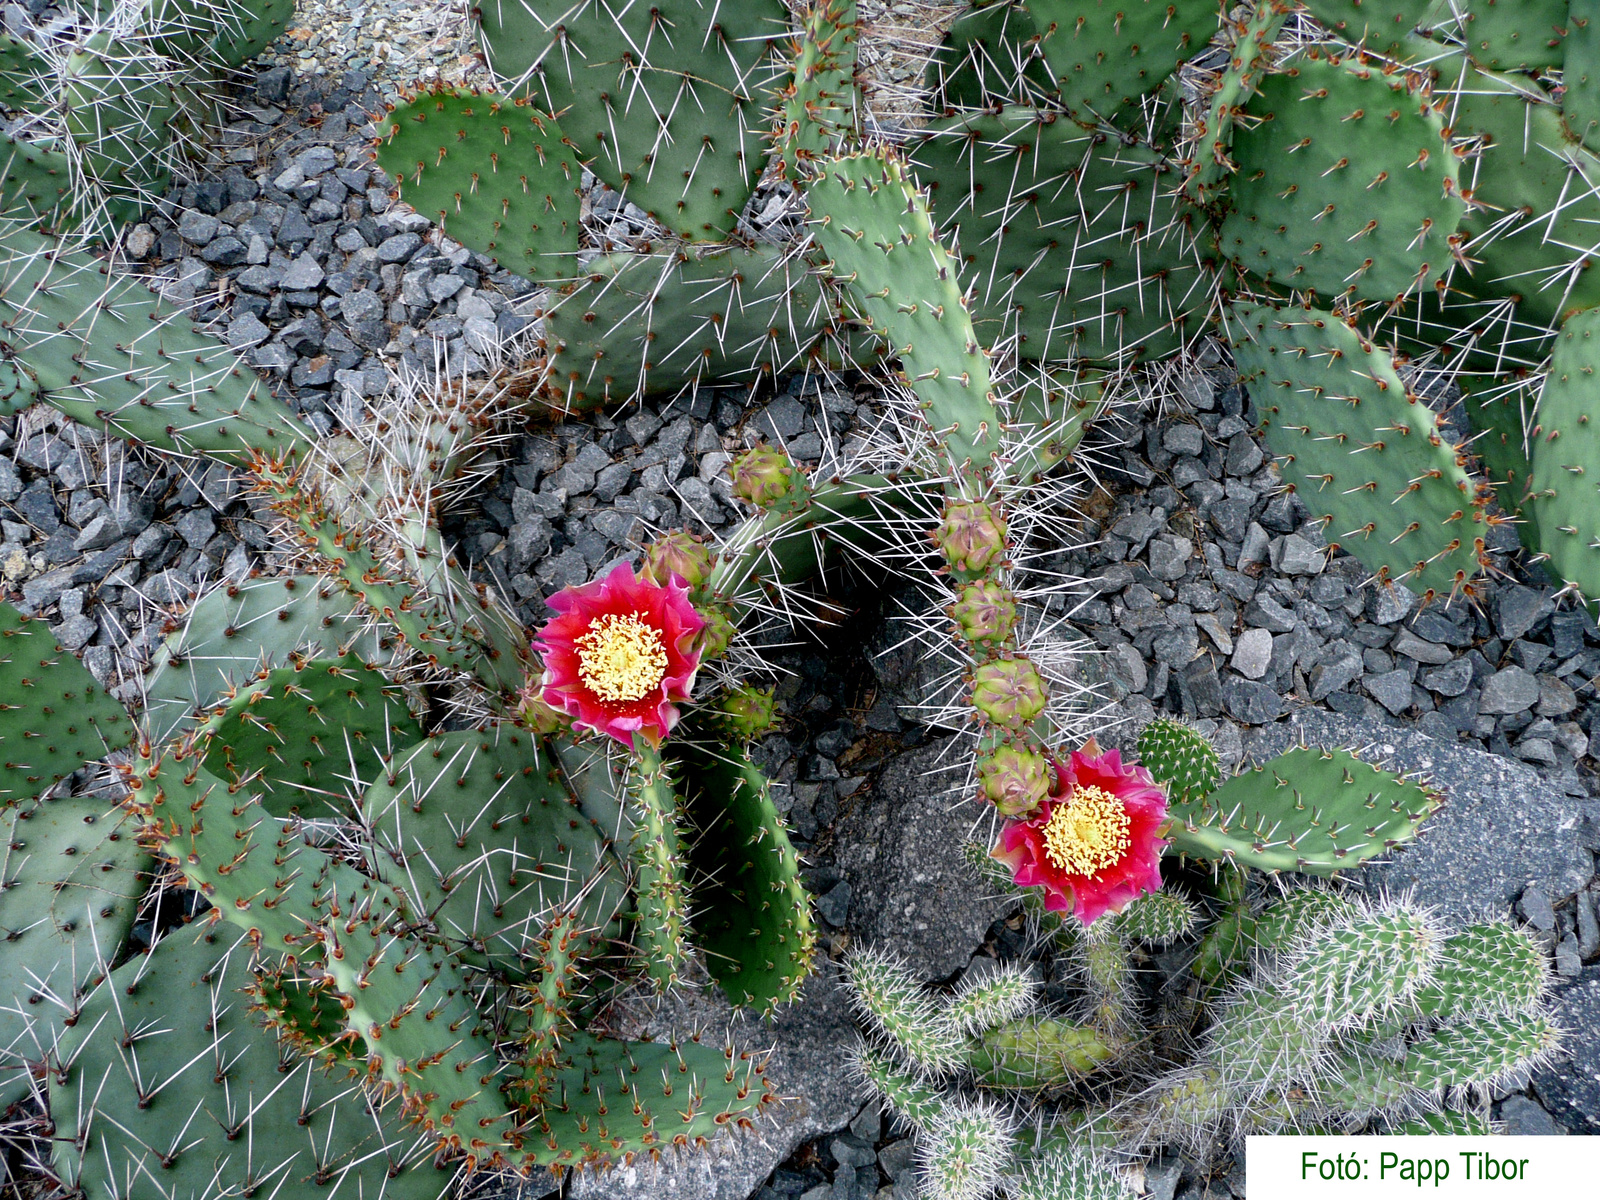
<point x="308" y="1018"/>
<point x="1070" y="1173"/>
<point x="1074" y="243"/>
<point x="55" y="716"/>
<point x="107" y="352"/>
<point x="657" y="854"/>
<point x="1299" y="914"/>
<point x="117" y="102"/>
<point x="1155" y="917"/>
<point x="663" y="102"/>
<point x="1366" y="456"/>
<point x="35" y="184"/>
<point x="1446" y="1123"/>
<point x="1181" y="758"/>
<point x="888" y="996"/>
<point x="1315" y="811"/>
<point x="1480" y="1051"/>
<point x="305" y="732"/>
<point x="1049" y="418"/>
<point x="990" y="55"/>
<point x="410" y="1003"/>
<point x="619" y="1099"/>
<point x="873" y="224"/>
<point x="169" y="1088"/>
<point x="479" y="831"/>
<point x="1580" y="78"/>
<point x="1034" y="1053"/>
<point x="1561" y="494"/>
<point x="548" y="1004"/>
<point x="244" y="28"/>
<point x="71" y="874"/>
<point x="1498" y="413"/>
<point x="1536" y="197"/>
<point x="494" y="173"/>
<point x="819" y="109"/>
<point x="1507" y="35"/>
<point x="1485" y="969"/>
<point x="236" y="630"/>
<point x="1106" y="55"/>
<point x="910" y="1096"/>
<point x="1346" y="184"/>
<point x="25" y="76"/>
<point x="1380" y="25"/>
<point x="753" y="915"/>
<point x="639" y="324"/>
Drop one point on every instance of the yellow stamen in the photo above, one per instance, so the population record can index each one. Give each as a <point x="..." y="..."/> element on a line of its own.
<point x="1087" y="832"/>
<point x="621" y="657"/>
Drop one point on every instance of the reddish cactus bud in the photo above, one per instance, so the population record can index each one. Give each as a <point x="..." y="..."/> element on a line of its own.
<point x="1009" y="692"/>
<point x="766" y="477"/>
<point x="985" y="613"/>
<point x="679" y="553"/>
<point x="1015" y="779"/>
<point x="972" y="536"/>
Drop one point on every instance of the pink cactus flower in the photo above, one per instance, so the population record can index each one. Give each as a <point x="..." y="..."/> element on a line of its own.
<point x="1092" y="845"/>
<point x="619" y="654"/>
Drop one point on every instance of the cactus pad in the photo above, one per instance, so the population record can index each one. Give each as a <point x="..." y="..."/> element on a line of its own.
<point x="663" y="102"/>
<point x="233" y="631"/>
<point x="989" y="55"/>
<point x="309" y="730"/>
<point x="1155" y="917"/>
<point x="1033" y="1053"/>
<point x="1366" y="456"/>
<point x="1379" y="25"/>
<point x="478" y="831"/>
<point x="1480" y="1052"/>
<point x="1508" y="34"/>
<point x="818" y="108"/>
<point x="1485" y="969"/>
<point x="1181" y="758"/>
<point x="1580" y="99"/>
<point x="25" y="76"/>
<point x="873" y="224"/>
<point x="71" y="874"/>
<point x="168" y="1087"/>
<point x="108" y="353"/>
<point x="494" y="173"/>
<point x="643" y="323"/>
<point x="55" y="716"/>
<point x="1316" y="811"/>
<point x="1561" y="494"/>
<point x="1076" y="246"/>
<point x="1346" y="184"/>
<point x="753" y="914"/>
<point x="1105" y="55"/>
<point x="34" y="185"/>
<point x="657" y="854"/>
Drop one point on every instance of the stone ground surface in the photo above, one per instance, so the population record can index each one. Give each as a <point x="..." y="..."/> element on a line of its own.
<point x="1209" y="595"/>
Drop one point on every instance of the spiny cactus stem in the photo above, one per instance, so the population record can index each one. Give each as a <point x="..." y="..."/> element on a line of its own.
<point x="656" y="851"/>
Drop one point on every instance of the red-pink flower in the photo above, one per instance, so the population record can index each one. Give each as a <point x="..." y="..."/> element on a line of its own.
<point x="1092" y="845"/>
<point x="619" y="654"/>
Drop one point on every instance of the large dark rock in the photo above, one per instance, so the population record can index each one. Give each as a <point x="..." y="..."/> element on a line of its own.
<point x="900" y="848"/>
<point x="808" y="1040"/>
<point x="1505" y="827"/>
<point x="1569" y="1088"/>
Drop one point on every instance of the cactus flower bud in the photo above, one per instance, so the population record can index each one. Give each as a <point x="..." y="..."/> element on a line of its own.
<point x="747" y="712"/>
<point x="678" y="553"/>
<point x="1010" y="692"/>
<point x="1015" y="779"/>
<point x="718" y="633"/>
<point x="539" y="716"/>
<point x="972" y="536"/>
<point x="985" y="613"/>
<point x="766" y="477"/>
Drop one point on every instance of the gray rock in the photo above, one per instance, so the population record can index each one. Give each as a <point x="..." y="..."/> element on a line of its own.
<point x="1555" y="697"/>
<point x="396" y="249"/>
<point x="1588" y="925"/>
<point x="849" y="1151"/>
<point x="1451" y="679"/>
<point x="1161" y="1179"/>
<point x="900" y="849"/>
<point x="1569" y="1088"/>
<point x="834" y="904"/>
<point x="1391" y="689"/>
<point x="303" y="274"/>
<point x="1169" y="556"/>
<point x="169" y="587"/>
<point x="1182" y="438"/>
<point x="1524" y="1118"/>
<point x="1252" y="703"/>
<point x="1569" y="963"/>
<point x="1252" y="653"/>
<point x="1294" y="555"/>
<point x="1256" y="546"/>
<point x="1536" y="910"/>
<point x="1336" y="668"/>
<point x="808" y="1041"/>
<point x="1407" y="643"/>
<point x="97" y="534"/>
<point x="315" y="161"/>
<point x="1244" y="456"/>
<point x="1508" y="690"/>
<point x="1504" y="829"/>
<point x="75" y="632"/>
<point x="1518" y="609"/>
<point x="1266" y="613"/>
<point x="898" y="1160"/>
<point x="42" y="591"/>
<point x="247" y="330"/>
<point x="1386" y="605"/>
<point x="197" y="228"/>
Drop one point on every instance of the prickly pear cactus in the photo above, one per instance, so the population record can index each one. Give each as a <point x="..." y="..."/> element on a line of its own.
<point x="1561" y="498"/>
<point x="1180" y="757"/>
<point x="56" y="717"/>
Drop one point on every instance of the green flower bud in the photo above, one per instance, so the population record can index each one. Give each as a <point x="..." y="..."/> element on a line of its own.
<point x="747" y="712"/>
<point x="1010" y="692"/>
<point x="986" y="613"/>
<point x="679" y="553"/>
<point x="972" y="536"/>
<point x="717" y="636"/>
<point x="766" y="477"/>
<point x="1015" y="779"/>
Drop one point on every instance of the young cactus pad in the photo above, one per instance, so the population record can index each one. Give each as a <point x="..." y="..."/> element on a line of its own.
<point x="1562" y="497"/>
<point x="1366" y="456"/>
<point x="754" y="915"/>
<point x="1315" y="811"/>
<point x="55" y="718"/>
<point x="495" y="173"/>
<point x="1182" y="758"/>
